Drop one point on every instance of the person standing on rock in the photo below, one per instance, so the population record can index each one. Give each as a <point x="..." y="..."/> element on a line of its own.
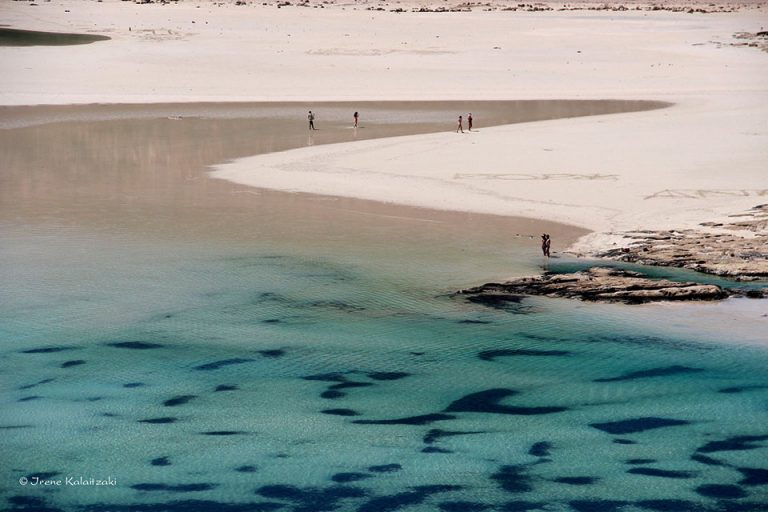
<point x="546" y="242"/>
<point x="311" y="119"/>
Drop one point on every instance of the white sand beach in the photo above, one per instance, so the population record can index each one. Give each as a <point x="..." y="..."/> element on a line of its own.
<point x="701" y="159"/>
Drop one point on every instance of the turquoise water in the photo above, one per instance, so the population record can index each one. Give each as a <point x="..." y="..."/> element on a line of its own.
<point x="205" y="360"/>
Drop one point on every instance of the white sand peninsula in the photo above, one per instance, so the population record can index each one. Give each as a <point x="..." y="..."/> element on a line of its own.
<point x="699" y="160"/>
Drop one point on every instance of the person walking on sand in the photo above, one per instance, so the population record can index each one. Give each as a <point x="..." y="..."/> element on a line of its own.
<point x="311" y="119"/>
<point x="469" y="121"/>
<point x="545" y="244"/>
<point x="356" y="116"/>
<point x="460" y="126"/>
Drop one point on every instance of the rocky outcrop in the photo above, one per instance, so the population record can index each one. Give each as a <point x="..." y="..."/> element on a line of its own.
<point x="602" y="285"/>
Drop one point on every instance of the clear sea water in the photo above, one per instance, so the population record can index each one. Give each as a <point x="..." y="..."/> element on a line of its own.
<point x="278" y="365"/>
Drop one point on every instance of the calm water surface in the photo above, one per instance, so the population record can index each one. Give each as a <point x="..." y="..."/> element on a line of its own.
<point x="211" y="347"/>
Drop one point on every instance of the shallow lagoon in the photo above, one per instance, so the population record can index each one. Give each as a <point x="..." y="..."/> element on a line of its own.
<point x="205" y="368"/>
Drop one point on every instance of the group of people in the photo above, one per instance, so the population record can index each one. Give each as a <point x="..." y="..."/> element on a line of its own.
<point x="546" y="242"/>
<point x="356" y="119"/>
<point x="460" y="126"/>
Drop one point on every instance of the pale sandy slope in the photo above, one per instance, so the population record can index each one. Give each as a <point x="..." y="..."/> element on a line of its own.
<point x="710" y="151"/>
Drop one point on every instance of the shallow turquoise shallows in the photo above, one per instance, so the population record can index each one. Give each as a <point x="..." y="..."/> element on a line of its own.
<point x="262" y="378"/>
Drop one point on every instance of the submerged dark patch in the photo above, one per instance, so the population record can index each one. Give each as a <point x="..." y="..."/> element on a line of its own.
<point x="160" y="461"/>
<point x="513" y="479"/>
<point x="490" y="355"/>
<point x="311" y="499"/>
<point x="521" y="506"/>
<point x="327" y="377"/>
<point x="135" y="345"/>
<point x="462" y="506"/>
<point x="30" y="386"/>
<point x="178" y="400"/>
<point x="341" y="412"/>
<point x="623" y="441"/>
<point x="394" y="502"/>
<point x="636" y="425"/>
<point x="222" y="363"/>
<point x="388" y="375"/>
<point x="720" y="491"/>
<point x="225" y="387"/>
<point x="753" y="476"/>
<point x="577" y="480"/>
<point x="274" y="353"/>
<point x="29" y="398"/>
<point x="709" y="461"/>
<point x="436" y="434"/>
<point x="175" y="488"/>
<point x="167" y="419"/>
<point x="424" y="419"/>
<point x="133" y="385"/>
<point x="669" y="505"/>
<point x="738" y="443"/>
<point x="540" y="449"/>
<point x="487" y="402"/>
<point x="663" y="473"/>
<point x="246" y="469"/>
<point x="344" y="478"/>
<point x="385" y="468"/>
<point x="653" y="372"/>
<point x="43" y="475"/>
<point x="74" y="362"/>
<point x="30" y="504"/>
<point x="223" y="433"/>
<point x="47" y="350"/>
<point x="640" y="461"/>
<point x="597" y="505"/>
<point x="435" y="449"/>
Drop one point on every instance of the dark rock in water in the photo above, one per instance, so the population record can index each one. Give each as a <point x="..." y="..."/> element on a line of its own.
<point x="74" y="362"/>
<point x="738" y="443"/>
<point x="160" y="461"/>
<point x="246" y="469"/>
<point x="597" y="505"/>
<point x="341" y="412"/>
<point x="159" y="421"/>
<point x="719" y="491"/>
<point x="463" y="506"/>
<point x="47" y="350"/>
<point x="636" y="425"/>
<point x="344" y="478"/>
<point x="640" y="461"/>
<point x="594" y="284"/>
<point x="653" y="372"/>
<point x="221" y="364"/>
<point x="487" y="402"/>
<point x="513" y="479"/>
<point x="435" y="449"/>
<point x="669" y="505"/>
<point x="424" y="419"/>
<point x="388" y="375"/>
<point x="385" y="468"/>
<point x="436" y="434"/>
<point x="135" y="345"/>
<point x="175" y="488"/>
<point x="753" y="476"/>
<point x="490" y="355"/>
<point x="274" y="353"/>
<point x="178" y="400"/>
<point x="225" y="387"/>
<point x="663" y="473"/>
<point x="497" y="300"/>
<point x="709" y="461"/>
<point x="540" y="449"/>
<point x="577" y="480"/>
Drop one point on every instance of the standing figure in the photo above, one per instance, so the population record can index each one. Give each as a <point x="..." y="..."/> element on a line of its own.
<point x="546" y="241"/>
<point x="356" y="116"/>
<point x="469" y="121"/>
<point x="460" y="126"/>
<point x="311" y="119"/>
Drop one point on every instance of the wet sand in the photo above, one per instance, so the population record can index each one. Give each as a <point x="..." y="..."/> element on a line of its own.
<point x="142" y="169"/>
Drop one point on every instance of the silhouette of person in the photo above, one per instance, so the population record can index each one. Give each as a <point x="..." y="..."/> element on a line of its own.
<point x="460" y="126"/>
<point x="469" y="121"/>
<point x="356" y="116"/>
<point x="311" y="119"/>
<point x="546" y="241"/>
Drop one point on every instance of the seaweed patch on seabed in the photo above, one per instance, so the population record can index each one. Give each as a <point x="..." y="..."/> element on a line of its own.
<point x="491" y="355"/>
<point x="488" y="402"/>
<point x="662" y="473"/>
<point x="634" y="425"/>
<point x="135" y="345"/>
<point x="653" y="372"/>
